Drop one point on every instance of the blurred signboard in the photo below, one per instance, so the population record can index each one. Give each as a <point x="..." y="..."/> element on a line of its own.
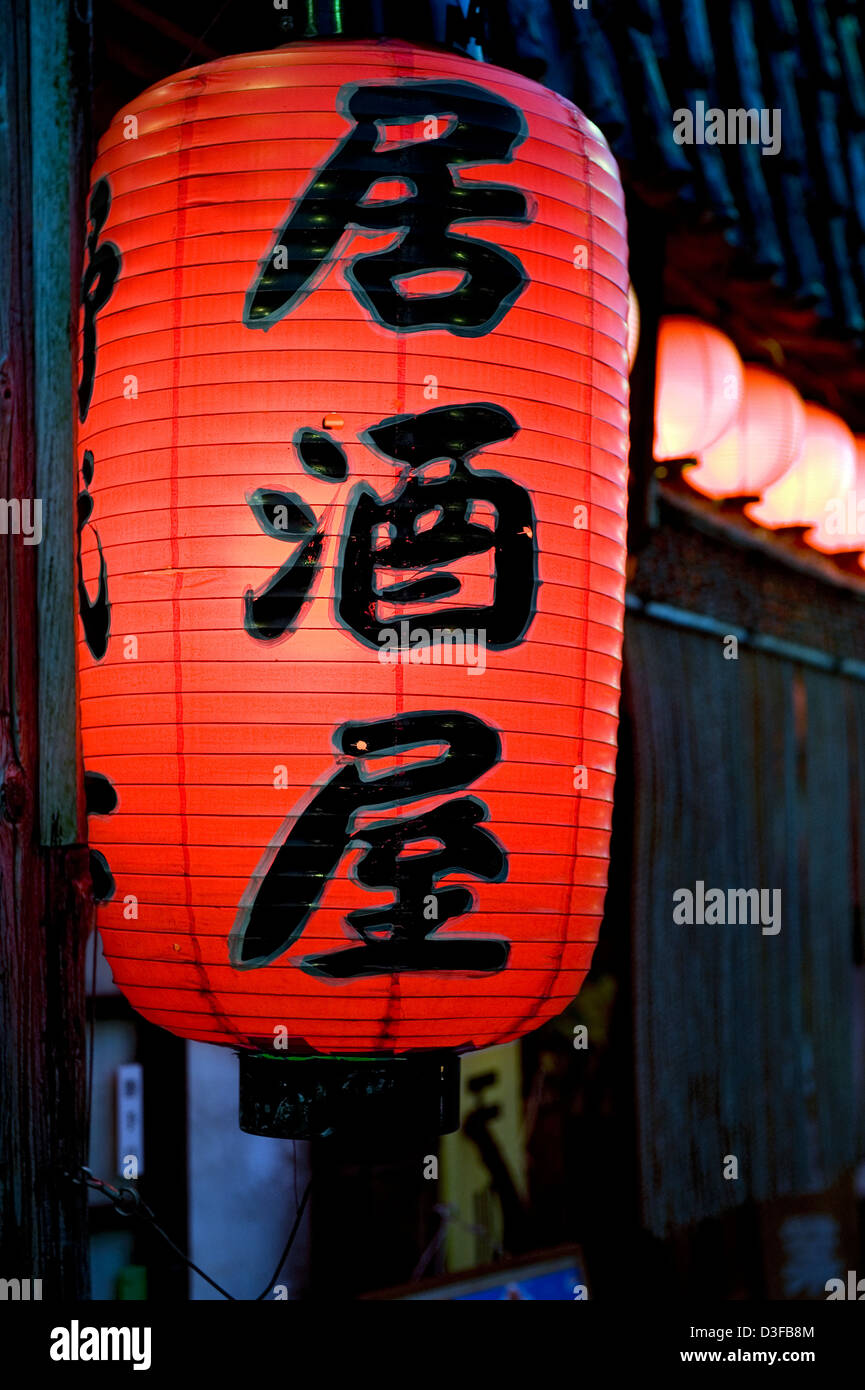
<point x="808" y="1240"/>
<point x="552" y="1276"/>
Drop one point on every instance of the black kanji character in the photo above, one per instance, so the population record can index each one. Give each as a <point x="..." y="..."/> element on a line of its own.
<point x="272" y="613"/>
<point x="479" y="127"/>
<point x="100" y="800"/>
<point x="95" y="616"/>
<point x="286" y="890"/>
<point x="447" y="433"/>
<point x="97" y="287"/>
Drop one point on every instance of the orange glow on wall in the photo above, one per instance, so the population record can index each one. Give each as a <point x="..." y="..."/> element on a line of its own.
<point x="825" y="469"/>
<point x="842" y="524"/>
<point x="764" y="440"/>
<point x="698" y="387"/>
<point x="377" y="843"/>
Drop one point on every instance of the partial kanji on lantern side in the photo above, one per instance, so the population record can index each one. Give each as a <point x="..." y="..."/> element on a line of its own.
<point x="97" y="286"/>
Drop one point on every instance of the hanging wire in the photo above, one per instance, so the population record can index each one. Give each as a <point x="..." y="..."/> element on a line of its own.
<point x="215" y="20"/>
<point x="128" y="1202"/>
<point x="294" y="1230"/>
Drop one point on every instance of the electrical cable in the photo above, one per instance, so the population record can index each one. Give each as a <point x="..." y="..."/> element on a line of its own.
<point x="215" y="20"/>
<point x="128" y="1202"/>
<point x="294" y="1230"/>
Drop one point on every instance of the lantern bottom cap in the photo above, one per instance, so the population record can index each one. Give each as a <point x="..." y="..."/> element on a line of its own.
<point x="346" y="1097"/>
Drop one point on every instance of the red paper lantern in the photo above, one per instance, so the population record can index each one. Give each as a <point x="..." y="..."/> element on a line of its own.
<point x="764" y="440"/>
<point x="698" y="387"/>
<point x="353" y="362"/>
<point x="842" y="524"/>
<point x="825" y="468"/>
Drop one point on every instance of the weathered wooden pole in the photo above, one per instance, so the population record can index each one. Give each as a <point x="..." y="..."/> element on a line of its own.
<point x="45" y="899"/>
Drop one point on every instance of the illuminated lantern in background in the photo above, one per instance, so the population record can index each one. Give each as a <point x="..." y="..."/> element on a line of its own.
<point x="633" y="326"/>
<point x="698" y="387"/>
<point x="825" y="469"/>
<point x="352" y="465"/>
<point x="764" y="440"/>
<point x="842" y="524"/>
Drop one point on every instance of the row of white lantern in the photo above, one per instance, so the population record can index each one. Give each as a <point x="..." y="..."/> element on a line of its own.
<point x="754" y="437"/>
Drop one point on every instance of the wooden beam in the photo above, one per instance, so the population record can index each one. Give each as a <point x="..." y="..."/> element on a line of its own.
<point x="44" y="892"/>
<point x="55" y="318"/>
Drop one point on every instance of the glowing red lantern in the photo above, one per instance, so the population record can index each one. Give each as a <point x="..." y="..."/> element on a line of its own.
<point x="825" y="468"/>
<point x="698" y="387"/>
<point x="842" y="524"/>
<point x="764" y="440"/>
<point x="353" y="449"/>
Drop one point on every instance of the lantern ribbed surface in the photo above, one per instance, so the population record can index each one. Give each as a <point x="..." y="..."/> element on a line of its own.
<point x="762" y="443"/>
<point x="214" y="694"/>
<point x="823" y="472"/>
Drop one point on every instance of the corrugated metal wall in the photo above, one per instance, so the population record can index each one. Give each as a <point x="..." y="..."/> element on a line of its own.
<point x="748" y="774"/>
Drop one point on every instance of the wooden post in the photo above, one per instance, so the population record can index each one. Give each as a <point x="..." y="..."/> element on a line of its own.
<point x="646" y="240"/>
<point x="45" y="904"/>
<point x="56" y="223"/>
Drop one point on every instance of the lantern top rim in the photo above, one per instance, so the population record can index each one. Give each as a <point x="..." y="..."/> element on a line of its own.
<point x="281" y="55"/>
<point x="430" y="44"/>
